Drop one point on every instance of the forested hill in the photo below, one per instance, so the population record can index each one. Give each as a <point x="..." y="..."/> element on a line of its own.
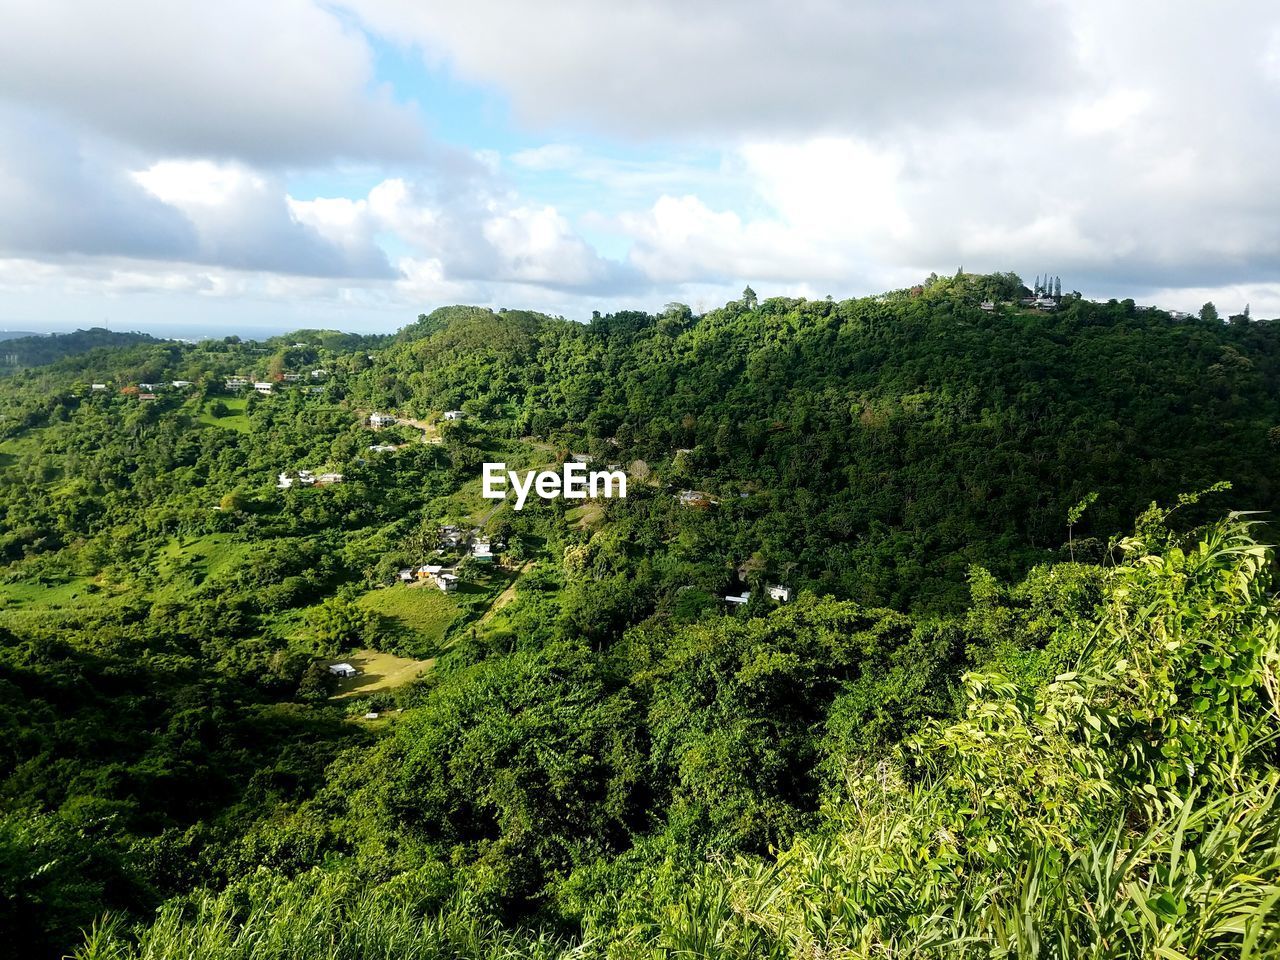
<point x="872" y="448"/>
<point x="888" y="593"/>
<point x="33" y="350"/>
<point x="902" y="438"/>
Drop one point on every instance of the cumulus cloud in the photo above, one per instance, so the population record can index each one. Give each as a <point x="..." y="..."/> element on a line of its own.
<point x="665" y="151"/>
<point x="481" y="233"/>
<point x="280" y="82"/>
<point x="1153" y="173"/>
<point x="243" y="219"/>
<point x="57" y="198"/>
<point x="706" y="70"/>
<point x="63" y="197"/>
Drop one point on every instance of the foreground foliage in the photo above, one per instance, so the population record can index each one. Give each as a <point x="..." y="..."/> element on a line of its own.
<point x="1127" y="807"/>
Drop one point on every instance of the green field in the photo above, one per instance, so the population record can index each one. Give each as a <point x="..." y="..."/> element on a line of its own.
<point x="379" y="673"/>
<point x="182" y="563"/>
<point x="587" y="515"/>
<point x="15" y="448"/>
<point x="235" y="418"/>
<point x="421" y="615"/>
<point x="49" y="593"/>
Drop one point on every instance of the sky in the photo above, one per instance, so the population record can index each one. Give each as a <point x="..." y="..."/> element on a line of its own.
<point x="264" y="165"/>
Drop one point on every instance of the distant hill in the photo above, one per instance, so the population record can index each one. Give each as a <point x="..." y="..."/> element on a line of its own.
<point x="36" y="349"/>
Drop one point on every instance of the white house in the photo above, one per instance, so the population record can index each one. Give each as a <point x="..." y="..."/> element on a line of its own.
<point x="378" y="420"/>
<point x="237" y="383"/>
<point x="342" y="670"/>
<point x="306" y="478"/>
<point x="182" y="384"/>
<point x="482" y="550"/>
<point x="739" y="599"/>
<point x="583" y="458"/>
<point x="147" y="387"/>
<point x="778" y="592"/>
<point x="319" y="374"/>
<point x="406" y="575"/>
<point x="987" y="305"/>
<point x="454" y="414"/>
<point x="292" y="377"/>
<point x="97" y="387"/>
<point x="696" y="498"/>
<point x="429" y="571"/>
<point x="383" y="448"/>
<point x="447" y="582"/>
<point x="263" y="387"/>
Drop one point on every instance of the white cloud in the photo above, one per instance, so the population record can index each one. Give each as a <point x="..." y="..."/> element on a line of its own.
<point x="1109" y="112"/>
<point x="245" y="219"/>
<point x="811" y="147"/>
<point x="197" y="184"/>
<point x="284" y="81"/>
<point x="704" y="70"/>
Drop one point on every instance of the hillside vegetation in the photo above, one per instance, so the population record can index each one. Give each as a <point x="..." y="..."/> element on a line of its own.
<point x="976" y="717"/>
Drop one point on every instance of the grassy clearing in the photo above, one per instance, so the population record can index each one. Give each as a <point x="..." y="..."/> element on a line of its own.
<point x="587" y="515"/>
<point x="49" y="593"/>
<point x="378" y="673"/>
<point x="236" y="419"/>
<point x="15" y="449"/>
<point x="421" y="613"/>
<point x="507" y="595"/>
<point x="183" y="563"/>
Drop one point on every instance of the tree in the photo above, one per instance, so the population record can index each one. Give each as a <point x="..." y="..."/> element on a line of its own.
<point x="1209" y="312"/>
<point x="749" y="298"/>
<point x="1073" y="517"/>
<point x="340" y="623"/>
<point x="232" y="501"/>
<point x="317" y="683"/>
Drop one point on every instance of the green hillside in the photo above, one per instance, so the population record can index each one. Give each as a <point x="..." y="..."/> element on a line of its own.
<point x="1003" y="684"/>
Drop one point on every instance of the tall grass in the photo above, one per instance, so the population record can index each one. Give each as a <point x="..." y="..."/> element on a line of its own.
<point x="315" y="917"/>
